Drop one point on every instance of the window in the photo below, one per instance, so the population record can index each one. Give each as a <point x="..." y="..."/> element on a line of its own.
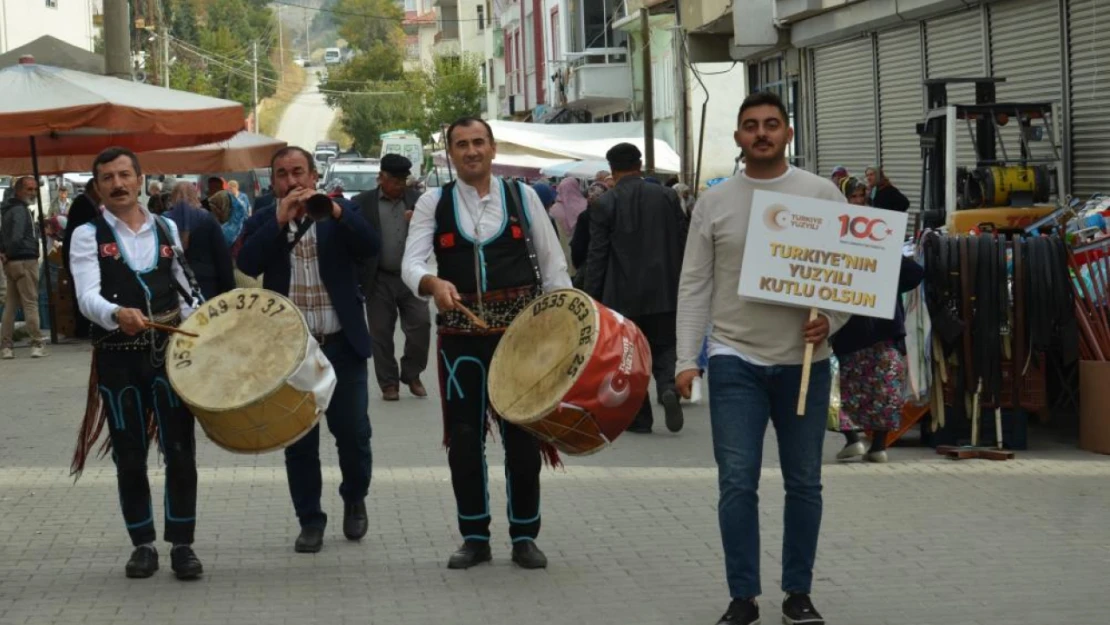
<point x="597" y="24"/>
<point x="481" y="18"/>
<point x="490" y="73"/>
<point x="519" y="64"/>
<point x="556" y="45"/>
<point x="51" y="4"/>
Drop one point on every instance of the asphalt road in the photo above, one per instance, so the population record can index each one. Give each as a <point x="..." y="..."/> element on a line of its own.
<point x="307" y="118"/>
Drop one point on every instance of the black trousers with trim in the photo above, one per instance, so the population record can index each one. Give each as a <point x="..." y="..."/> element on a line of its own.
<point x="131" y="388"/>
<point x="463" y="374"/>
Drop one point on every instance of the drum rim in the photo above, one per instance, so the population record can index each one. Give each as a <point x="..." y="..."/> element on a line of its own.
<point x="276" y="387"/>
<point x="547" y="410"/>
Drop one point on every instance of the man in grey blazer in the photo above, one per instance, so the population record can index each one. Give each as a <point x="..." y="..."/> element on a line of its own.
<point x="388" y="210"/>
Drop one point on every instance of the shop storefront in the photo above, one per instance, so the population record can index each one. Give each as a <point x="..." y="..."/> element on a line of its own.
<point x="862" y="88"/>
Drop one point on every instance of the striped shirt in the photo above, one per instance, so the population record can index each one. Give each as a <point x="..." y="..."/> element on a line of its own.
<point x="306" y="287"/>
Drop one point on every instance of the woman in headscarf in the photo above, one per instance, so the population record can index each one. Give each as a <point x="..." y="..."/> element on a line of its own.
<point x="569" y="205"/>
<point x="238" y="196"/>
<point x="871" y="354"/>
<point x="202" y="240"/>
<point x="229" y="213"/>
<point x="883" y="193"/>
<point x="854" y="190"/>
<point x="683" y="192"/>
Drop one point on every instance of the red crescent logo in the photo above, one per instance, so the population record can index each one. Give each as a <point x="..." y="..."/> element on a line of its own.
<point x="613" y="392"/>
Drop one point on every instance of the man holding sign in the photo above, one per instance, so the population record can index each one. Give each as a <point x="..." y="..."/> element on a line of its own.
<point x="756" y="352"/>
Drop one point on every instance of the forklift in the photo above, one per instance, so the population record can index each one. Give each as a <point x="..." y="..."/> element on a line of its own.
<point x="1008" y="187"/>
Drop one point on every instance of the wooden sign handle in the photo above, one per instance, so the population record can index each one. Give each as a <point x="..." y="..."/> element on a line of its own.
<point x="807" y="364"/>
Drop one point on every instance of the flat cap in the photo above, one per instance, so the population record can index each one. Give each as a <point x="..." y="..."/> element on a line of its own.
<point x="396" y="165"/>
<point x="622" y="155"/>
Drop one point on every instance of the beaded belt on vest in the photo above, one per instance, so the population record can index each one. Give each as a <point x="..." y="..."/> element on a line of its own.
<point x="118" y="341"/>
<point x="498" y="310"/>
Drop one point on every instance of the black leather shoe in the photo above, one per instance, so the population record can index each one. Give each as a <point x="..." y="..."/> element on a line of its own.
<point x="472" y="552"/>
<point x="673" y="410"/>
<point x="143" y="562"/>
<point x="354" y="520"/>
<point x="528" y="556"/>
<point x="185" y="563"/>
<point x="311" y="540"/>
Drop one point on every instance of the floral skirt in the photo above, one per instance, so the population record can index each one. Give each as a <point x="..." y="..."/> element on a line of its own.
<point x="871" y="384"/>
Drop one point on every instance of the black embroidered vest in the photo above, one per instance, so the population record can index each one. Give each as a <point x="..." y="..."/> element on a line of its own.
<point x="505" y="256"/>
<point x="133" y="288"/>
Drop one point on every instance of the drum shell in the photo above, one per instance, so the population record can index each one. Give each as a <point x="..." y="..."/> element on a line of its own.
<point x="273" y="407"/>
<point x="621" y="348"/>
<point x="608" y="392"/>
<point x="287" y="415"/>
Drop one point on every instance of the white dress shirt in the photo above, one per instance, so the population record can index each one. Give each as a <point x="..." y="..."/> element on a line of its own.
<point x="482" y="219"/>
<point x="139" y="250"/>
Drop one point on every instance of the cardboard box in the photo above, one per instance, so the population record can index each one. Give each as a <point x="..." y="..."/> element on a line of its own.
<point x="1094" y="400"/>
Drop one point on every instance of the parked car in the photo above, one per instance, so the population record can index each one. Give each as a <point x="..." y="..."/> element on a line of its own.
<point x="357" y="175"/>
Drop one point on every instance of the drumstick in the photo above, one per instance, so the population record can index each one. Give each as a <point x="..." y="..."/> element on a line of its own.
<point x="170" y="329"/>
<point x="475" y="319"/>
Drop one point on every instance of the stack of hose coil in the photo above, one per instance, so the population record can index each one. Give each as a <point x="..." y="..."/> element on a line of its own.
<point x="998" y="307"/>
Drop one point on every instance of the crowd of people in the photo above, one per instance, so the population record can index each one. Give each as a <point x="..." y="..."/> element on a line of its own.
<point x="638" y="246"/>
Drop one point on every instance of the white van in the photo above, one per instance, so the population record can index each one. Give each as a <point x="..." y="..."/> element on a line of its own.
<point x="333" y="56"/>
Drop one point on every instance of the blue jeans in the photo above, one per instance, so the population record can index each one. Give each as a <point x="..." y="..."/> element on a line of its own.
<point x="349" y="422"/>
<point x="742" y="397"/>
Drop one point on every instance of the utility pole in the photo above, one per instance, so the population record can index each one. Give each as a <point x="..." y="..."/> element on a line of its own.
<point x="649" y="108"/>
<point x="117" y="39"/>
<point x="281" y="48"/>
<point x="307" y="45"/>
<point x="254" y="98"/>
<point x="165" y="56"/>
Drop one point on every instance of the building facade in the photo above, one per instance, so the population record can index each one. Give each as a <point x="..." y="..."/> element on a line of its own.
<point x="854" y="73"/>
<point x="23" y="21"/>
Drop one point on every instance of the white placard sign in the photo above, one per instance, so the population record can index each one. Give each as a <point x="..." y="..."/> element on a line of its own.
<point x="822" y="254"/>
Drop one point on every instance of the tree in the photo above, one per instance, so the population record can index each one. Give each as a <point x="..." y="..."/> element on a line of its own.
<point x="364" y="23"/>
<point x="454" y="90"/>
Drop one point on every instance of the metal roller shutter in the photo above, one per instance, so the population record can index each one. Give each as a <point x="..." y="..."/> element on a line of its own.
<point x="844" y="107"/>
<point x="954" y="49"/>
<point x="1025" y="50"/>
<point x="901" y="107"/>
<point x="1090" y="84"/>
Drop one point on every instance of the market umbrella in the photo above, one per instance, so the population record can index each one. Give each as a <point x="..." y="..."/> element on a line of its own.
<point x="244" y="151"/>
<point x="50" y="111"/>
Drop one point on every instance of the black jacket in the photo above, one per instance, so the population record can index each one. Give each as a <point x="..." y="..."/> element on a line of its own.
<point x="205" y="249"/>
<point x="637" y="239"/>
<point x="81" y="212"/>
<point x="863" y="332"/>
<point x="17" y="231"/>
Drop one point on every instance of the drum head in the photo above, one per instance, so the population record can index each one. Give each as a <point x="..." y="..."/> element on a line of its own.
<point x="251" y="341"/>
<point x="541" y="355"/>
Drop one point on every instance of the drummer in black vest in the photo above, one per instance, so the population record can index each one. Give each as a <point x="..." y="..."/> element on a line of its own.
<point x="481" y="229"/>
<point x="128" y="271"/>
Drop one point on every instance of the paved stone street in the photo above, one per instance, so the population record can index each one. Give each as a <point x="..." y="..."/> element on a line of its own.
<point x="631" y="532"/>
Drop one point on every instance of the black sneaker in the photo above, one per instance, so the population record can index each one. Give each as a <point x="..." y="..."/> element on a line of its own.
<point x="741" y="612"/>
<point x="799" y="610"/>
<point x="673" y="410"/>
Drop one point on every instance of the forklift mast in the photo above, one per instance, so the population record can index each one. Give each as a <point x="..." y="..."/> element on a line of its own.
<point x="933" y="135"/>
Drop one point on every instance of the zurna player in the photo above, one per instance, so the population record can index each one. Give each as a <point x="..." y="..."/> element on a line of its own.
<point x="495" y="250"/>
